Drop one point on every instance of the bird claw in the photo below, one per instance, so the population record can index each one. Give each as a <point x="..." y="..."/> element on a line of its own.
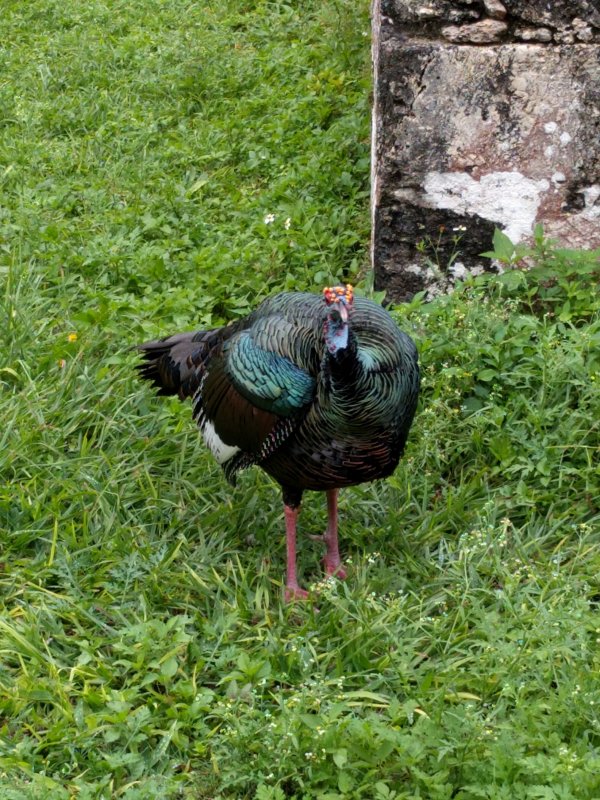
<point x="294" y="593"/>
<point x="335" y="569"/>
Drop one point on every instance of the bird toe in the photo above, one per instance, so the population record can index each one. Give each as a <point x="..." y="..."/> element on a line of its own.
<point x="294" y="593"/>
<point x="335" y="569"/>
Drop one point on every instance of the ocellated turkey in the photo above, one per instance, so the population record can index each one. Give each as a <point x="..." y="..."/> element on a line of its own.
<point x="318" y="390"/>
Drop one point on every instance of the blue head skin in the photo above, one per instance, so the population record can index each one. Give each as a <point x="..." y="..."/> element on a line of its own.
<point x="339" y="302"/>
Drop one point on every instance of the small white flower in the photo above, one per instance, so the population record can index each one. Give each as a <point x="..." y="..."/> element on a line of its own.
<point x="269" y="219"/>
<point x="287" y="223"/>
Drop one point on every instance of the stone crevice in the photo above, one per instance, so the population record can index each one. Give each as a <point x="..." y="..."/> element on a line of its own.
<point x="421" y="83"/>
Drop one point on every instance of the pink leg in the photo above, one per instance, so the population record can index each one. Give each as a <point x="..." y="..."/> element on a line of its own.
<point x="332" y="561"/>
<point x="292" y="590"/>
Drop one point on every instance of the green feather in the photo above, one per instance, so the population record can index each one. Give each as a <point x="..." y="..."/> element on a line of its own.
<point x="269" y="380"/>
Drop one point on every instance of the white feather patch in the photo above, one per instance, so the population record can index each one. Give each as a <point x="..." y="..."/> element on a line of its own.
<point x="221" y="451"/>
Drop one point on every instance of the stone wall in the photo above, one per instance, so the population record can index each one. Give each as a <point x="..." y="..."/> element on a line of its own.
<point x="486" y="114"/>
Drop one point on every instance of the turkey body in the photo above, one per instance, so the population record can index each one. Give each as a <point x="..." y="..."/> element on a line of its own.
<point x="355" y="427"/>
<point x="320" y="394"/>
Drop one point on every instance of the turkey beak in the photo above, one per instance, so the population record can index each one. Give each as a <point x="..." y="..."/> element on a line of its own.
<point x="343" y="309"/>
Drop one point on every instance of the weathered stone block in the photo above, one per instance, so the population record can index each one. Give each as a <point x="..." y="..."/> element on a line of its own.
<point x="468" y="137"/>
<point x="484" y="32"/>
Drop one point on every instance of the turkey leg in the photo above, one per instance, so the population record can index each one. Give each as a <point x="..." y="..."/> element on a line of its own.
<point x="332" y="560"/>
<point x="292" y="590"/>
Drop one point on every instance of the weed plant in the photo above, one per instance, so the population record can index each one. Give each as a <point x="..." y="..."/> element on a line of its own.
<point x="165" y="165"/>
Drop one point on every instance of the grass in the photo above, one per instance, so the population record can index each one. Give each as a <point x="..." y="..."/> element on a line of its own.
<point x="145" y="652"/>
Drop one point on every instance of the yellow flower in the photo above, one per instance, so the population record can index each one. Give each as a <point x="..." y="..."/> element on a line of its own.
<point x="72" y="337"/>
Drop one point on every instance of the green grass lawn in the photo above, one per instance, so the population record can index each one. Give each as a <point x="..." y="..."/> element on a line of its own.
<point x="164" y="165"/>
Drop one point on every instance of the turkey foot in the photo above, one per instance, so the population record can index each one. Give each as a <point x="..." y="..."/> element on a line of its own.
<point x="293" y="593"/>
<point x="331" y="559"/>
<point x="334" y="568"/>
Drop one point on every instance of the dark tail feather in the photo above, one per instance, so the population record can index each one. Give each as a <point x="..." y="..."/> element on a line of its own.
<point x="171" y="364"/>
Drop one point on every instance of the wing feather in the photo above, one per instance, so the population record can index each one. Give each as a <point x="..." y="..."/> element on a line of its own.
<point x="236" y="420"/>
<point x="268" y="380"/>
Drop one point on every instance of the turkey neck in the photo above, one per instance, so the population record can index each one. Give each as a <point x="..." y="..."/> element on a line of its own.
<point x="344" y="374"/>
